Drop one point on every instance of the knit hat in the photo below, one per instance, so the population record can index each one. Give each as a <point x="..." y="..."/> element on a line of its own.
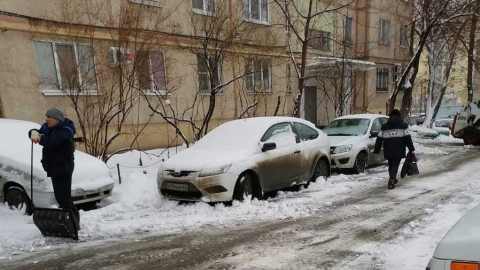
<point x="56" y="114"/>
<point x="395" y="113"/>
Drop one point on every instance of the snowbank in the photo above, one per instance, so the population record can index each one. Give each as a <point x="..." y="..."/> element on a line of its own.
<point x="423" y="130"/>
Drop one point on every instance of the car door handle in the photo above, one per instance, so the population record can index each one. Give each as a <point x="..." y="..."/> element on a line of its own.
<point x="297" y="152"/>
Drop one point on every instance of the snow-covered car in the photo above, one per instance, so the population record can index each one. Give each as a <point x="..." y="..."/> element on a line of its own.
<point x="352" y="141"/>
<point x="460" y="247"/>
<point x="247" y="157"/>
<point x="91" y="181"/>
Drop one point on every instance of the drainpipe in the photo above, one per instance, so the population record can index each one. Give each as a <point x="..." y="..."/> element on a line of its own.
<point x="366" y="50"/>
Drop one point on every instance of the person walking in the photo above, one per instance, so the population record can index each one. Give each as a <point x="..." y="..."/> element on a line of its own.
<point x="56" y="137"/>
<point x="394" y="137"/>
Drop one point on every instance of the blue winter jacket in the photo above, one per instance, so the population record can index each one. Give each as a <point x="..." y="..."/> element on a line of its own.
<point x="394" y="137"/>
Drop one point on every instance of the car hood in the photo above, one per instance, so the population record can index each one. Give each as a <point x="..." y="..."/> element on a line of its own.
<point x="462" y="242"/>
<point x="195" y="159"/>
<point x="343" y="140"/>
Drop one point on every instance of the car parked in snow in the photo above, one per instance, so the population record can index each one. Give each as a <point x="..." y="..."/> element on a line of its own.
<point x="460" y="247"/>
<point x="352" y="141"/>
<point x="91" y="181"/>
<point x="247" y="157"/>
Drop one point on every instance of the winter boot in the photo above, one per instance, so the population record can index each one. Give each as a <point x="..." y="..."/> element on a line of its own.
<point x="395" y="181"/>
<point x="391" y="183"/>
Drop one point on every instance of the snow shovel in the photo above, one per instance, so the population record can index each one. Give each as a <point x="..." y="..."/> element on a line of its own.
<point x="50" y="221"/>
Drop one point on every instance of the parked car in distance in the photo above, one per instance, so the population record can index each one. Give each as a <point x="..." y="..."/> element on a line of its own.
<point x="352" y="141"/>
<point x="416" y="120"/>
<point x="443" y="123"/>
<point x="247" y="157"/>
<point x="91" y="181"/>
<point x="459" y="248"/>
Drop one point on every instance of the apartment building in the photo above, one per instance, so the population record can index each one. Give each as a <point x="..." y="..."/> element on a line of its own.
<point x="74" y="54"/>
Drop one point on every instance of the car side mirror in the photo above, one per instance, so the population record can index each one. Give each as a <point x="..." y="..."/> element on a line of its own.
<point x="374" y="135"/>
<point x="269" y="147"/>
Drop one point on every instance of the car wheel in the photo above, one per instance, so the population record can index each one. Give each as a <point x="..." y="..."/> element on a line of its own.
<point x="321" y="169"/>
<point x="17" y="198"/>
<point x="244" y="187"/>
<point x="471" y="138"/>
<point x="360" y="163"/>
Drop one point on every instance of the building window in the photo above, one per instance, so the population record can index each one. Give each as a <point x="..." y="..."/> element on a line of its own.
<point x="404" y="36"/>
<point x="320" y="40"/>
<point x="382" y="79"/>
<point x="289" y="80"/>
<point x="204" y="6"/>
<point x="255" y="10"/>
<point x="347" y="28"/>
<point x="384" y="32"/>
<point x="65" y="67"/>
<point x="157" y="3"/>
<point x="151" y="72"/>
<point x="259" y="76"/>
<point x="205" y="67"/>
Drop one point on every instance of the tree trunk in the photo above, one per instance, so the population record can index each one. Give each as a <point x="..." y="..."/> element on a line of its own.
<point x="471" y="48"/>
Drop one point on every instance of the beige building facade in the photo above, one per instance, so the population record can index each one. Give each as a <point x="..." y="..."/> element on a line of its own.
<point x="58" y="53"/>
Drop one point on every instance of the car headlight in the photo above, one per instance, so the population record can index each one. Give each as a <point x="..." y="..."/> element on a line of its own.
<point x="216" y="171"/>
<point x="342" y="149"/>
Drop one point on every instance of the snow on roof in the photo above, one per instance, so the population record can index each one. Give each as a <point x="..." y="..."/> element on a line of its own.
<point x="362" y="116"/>
<point x="15" y="152"/>
<point x="334" y="61"/>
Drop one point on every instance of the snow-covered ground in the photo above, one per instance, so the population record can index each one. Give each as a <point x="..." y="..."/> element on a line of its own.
<point x="137" y="208"/>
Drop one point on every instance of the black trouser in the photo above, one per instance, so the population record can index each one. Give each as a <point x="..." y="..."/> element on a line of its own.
<point x="62" y="188"/>
<point x="393" y="165"/>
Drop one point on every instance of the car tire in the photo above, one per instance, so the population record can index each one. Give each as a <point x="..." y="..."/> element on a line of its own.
<point x="17" y="198"/>
<point x="321" y="169"/>
<point x="471" y="138"/>
<point x="360" y="163"/>
<point x="243" y="187"/>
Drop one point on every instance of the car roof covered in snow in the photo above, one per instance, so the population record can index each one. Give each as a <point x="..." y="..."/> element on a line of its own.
<point x="462" y="242"/>
<point x="15" y="152"/>
<point x="362" y="116"/>
<point x="262" y="122"/>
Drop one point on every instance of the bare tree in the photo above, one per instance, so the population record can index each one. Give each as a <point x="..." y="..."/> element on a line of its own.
<point x="104" y="95"/>
<point x="216" y="37"/>
<point x="300" y="21"/>
<point x="428" y="15"/>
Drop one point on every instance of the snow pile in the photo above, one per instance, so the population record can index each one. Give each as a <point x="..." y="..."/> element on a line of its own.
<point x="427" y="150"/>
<point x="447" y="139"/>
<point x="423" y="130"/>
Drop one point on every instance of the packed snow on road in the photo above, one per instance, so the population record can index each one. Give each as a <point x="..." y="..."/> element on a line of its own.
<point x="137" y="210"/>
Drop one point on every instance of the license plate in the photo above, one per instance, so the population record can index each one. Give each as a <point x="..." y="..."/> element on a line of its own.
<point x="81" y="192"/>
<point x="178" y="187"/>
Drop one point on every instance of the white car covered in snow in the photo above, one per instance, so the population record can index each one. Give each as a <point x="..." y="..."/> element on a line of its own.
<point x="247" y="157"/>
<point x="460" y="248"/>
<point x="91" y="180"/>
<point x="352" y="141"/>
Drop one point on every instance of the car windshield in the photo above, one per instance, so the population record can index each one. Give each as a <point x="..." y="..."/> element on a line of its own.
<point x="347" y="127"/>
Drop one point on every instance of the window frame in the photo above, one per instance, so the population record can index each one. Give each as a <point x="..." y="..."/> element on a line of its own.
<point x="404" y="36"/>
<point x="299" y="134"/>
<point x="251" y="89"/>
<point x="208" y="92"/>
<point x="60" y="91"/>
<point x="323" y="37"/>
<point x="204" y="10"/>
<point x="385" y="73"/>
<point x="264" y="140"/>
<point x="384" y="38"/>
<point x="152" y="89"/>
<point x="289" y="80"/>
<point x="346" y="30"/>
<point x="154" y="3"/>
<point x="252" y="20"/>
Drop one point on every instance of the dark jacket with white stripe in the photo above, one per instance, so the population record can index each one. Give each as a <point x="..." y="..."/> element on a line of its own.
<point x="394" y="137"/>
